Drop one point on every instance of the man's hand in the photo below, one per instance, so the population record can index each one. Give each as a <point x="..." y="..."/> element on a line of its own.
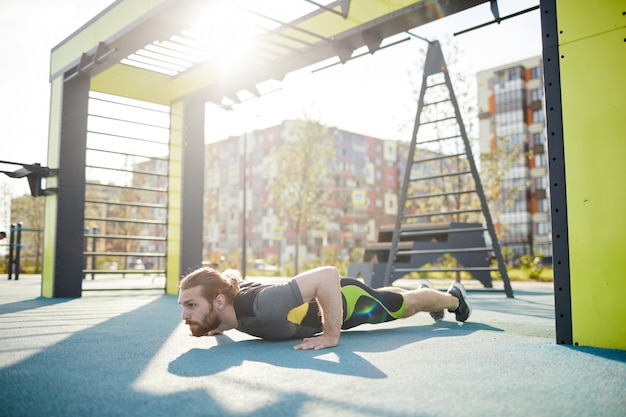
<point x="323" y="284"/>
<point x="320" y="342"/>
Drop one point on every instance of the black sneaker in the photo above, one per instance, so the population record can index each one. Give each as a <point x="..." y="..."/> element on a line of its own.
<point x="436" y="315"/>
<point x="464" y="310"/>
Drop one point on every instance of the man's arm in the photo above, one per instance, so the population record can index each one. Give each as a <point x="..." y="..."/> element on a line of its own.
<point x="324" y="285"/>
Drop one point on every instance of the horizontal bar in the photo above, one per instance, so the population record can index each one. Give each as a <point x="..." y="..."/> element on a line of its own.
<point x="113" y="135"/>
<point x="110" y="219"/>
<point x="451" y="174"/>
<point x="402" y="244"/>
<point x="128" y="187"/>
<point x="445" y="250"/>
<point x="135" y="106"/>
<point x="123" y="271"/>
<point x="156" y="158"/>
<point x="138" y="254"/>
<point x="436" y="85"/>
<point x="437" y="102"/>
<point x="438" y="158"/>
<point x="134" y="122"/>
<point x="439" y="139"/>
<point x="443" y="213"/>
<point x="438" y="120"/>
<point x="418" y="196"/>
<point x="442" y="231"/>
<point x="125" y="237"/>
<point x="126" y="203"/>
<point x="530" y="9"/>
<point x="446" y="269"/>
<point x="155" y="288"/>
<point x="158" y="174"/>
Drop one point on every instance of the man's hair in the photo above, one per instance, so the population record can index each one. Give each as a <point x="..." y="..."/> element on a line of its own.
<point x="212" y="283"/>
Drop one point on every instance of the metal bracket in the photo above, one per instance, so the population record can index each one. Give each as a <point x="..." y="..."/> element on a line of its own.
<point x="34" y="173"/>
<point x="87" y="61"/>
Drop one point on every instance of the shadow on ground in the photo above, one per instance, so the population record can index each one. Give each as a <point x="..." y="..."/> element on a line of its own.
<point x="229" y="353"/>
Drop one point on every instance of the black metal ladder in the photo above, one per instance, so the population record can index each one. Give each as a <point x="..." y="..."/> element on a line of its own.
<point x="441" y="181"/>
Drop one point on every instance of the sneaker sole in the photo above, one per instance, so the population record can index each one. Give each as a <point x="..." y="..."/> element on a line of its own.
<point x="464" y="294"/>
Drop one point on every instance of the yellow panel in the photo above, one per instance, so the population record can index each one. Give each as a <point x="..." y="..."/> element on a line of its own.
<point x="108" y="24"/>
<point x="50" y="214"/>
<point x="193" y="80"/>
<point x="593" y="86"/>
<point x="174" y="199"/>
<point x="581" y="19"/>
<point x="126" y="81"/>
<point x="330" y="24"/>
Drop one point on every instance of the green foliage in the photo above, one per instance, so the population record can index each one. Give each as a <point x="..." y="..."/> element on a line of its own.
<point x="531" y="266"/>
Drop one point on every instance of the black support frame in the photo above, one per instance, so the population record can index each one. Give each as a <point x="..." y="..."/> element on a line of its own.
<point x="558" y="196"/>
<point x="191" y="245"/>
<point x="70" y="240"/>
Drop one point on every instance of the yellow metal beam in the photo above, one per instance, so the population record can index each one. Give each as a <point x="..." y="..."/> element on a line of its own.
<point x="117" y="19"/>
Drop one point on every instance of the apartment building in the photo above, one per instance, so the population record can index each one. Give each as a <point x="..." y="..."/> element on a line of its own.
<point x="512" y="124"/>
<point x="363" y="182"/>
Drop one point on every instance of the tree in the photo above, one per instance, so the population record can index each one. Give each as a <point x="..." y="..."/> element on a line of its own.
<point x="501" y="188"/>
<point x="300" y="178"/>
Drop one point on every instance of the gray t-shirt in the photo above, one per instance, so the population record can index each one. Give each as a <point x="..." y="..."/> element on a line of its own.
<point x="262" y="311"/>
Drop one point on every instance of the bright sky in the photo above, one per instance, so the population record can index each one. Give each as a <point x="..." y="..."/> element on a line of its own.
<point x="369" y="95"/>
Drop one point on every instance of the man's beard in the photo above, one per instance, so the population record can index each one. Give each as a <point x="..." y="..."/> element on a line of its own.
<point x="209" y="322"/>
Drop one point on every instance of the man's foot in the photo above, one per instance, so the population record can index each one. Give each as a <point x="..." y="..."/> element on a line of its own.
<point x="464" y="310"/>
<point x="436" y="315"/>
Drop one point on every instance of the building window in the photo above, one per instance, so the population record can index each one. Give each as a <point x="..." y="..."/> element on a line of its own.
<point x="540" y="160"/>
<point x="536" y="94"/>
<point x="538" y="139"/>
<point x="541" y="183"/>
<point x="535" y="72"/>
<point x="538" y="116"/>
<point x="543" y="228"/>
<point x="542" y="205"/>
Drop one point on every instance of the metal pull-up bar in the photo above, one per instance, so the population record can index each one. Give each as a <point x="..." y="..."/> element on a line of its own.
<point x="497" y="19"/>
<point x="34" y="173"/>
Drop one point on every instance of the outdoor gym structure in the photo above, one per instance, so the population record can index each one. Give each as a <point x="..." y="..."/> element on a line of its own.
<point x="129" y="51"/>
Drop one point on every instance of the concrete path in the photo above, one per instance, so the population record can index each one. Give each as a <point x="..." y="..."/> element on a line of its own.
<point x="126" y="353"/>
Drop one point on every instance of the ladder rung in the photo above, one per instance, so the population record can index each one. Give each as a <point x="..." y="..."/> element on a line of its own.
<point x="438" y="120"/>
<point x="442" y="231"/>
<point x="437" y="140"/>
<point x="436" y="85"/>
<point x="418" y="196"/>
<point x="444" y="250"/>
<point x="451" y="174"/>
<point x="441" y="213"/>
<point x="438" y="158"/>
<point x="437" y="102"/>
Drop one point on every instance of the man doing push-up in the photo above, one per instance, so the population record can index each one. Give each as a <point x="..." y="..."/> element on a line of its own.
<point x="314" y="305"/>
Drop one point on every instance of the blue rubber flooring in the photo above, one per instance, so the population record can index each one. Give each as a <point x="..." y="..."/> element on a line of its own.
<point x="127" y="353"/>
